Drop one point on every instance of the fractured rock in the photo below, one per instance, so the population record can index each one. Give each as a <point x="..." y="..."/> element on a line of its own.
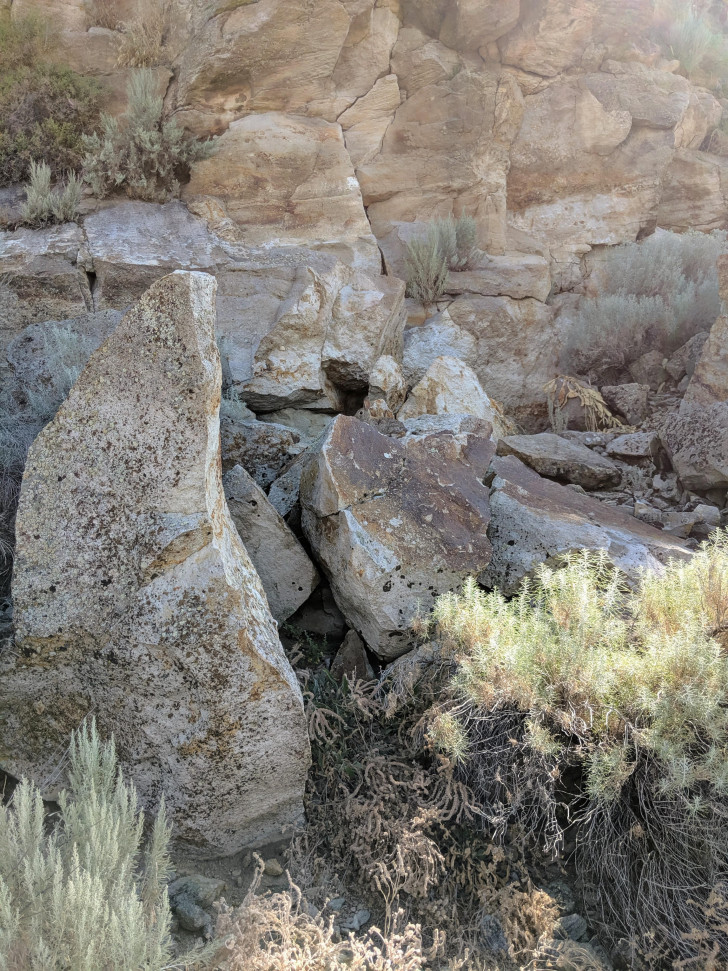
<point x="709" y="381"/>
<point x="387" y="382"/>
<point x="351" y="660"/>
<point x="557" y="458"/>
<point x="638" y="447"/>
<point x="262" y="448"/>
<point x="534" y="520"/>
<point x="394" y="523"/>
<point x="285" y="570"/>
<point x="135" y="600"/>
<point x="683" y="361"/>
<point x="628" y="401"/>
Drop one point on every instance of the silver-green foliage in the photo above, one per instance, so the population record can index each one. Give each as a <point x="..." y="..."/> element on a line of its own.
<point x="144" y="154"/>
<point x="43" y="204"/>
<point x="450" y="244"/>
<point x="654" y="295"/>
<point x="83" y="897"/>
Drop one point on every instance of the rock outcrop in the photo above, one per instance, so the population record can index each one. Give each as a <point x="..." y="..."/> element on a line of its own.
<point x="135" y="600"/>
<point x="395" y="523"/>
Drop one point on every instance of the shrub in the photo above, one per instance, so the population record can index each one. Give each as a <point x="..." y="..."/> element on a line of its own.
<point x="103" y="13"/>
<point x="450" y="244"/>
<point x="26" y="406"/>
<point x="687" y="34"/>
<point x="43" y="205"/>
<point x="76" y="898"/>
<point x="145" y="155"/>
<point x="656" y="295"/>
<point x="44" y="108"/>
<point x="142" y="39"/>
<point x="588" y="701"/>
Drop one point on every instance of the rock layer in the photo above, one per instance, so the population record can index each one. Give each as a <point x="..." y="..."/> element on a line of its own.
<point x="135" y="600"/>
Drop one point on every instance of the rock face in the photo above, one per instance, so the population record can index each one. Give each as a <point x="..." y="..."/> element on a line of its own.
<point x="395" y="523"/>
<point x="709" y="382"/>
<point x="697" y="443"/>
<point x="535" y="521"/>
<point x="135" y="600"/>
<point x="287" y="574"/>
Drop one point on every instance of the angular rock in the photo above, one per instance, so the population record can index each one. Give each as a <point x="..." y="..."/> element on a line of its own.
<point x="709" y="382"/>
<point x="286" y="180"/>
<point x="557" y="458"/>
<point x="470" y="24"/>
<point x="649" y="370"/>
<point x="351" y="660"/>
<point x="697" y="444"/>
<point x="438" y="336"/>
<point x="284" y="492"/>
<point x="534" y="520"/>
<point x="285" y="570"/>
<point x="387" y="382"/>
<point x="262" y="448"/>
<point x="636" y="447"/>
<point x="366" y="122"/>
<point x="450" y="387"/>
<point x="628" y="401"/>
<point x="693" y="193"/>
<point x="682" y="362"/>
<point x="394" y="524"/>
<point x="135" y="599"/>
<point x="308" y="425"/>
<point x="419" y="60"/>
<point x="517" y="275"/>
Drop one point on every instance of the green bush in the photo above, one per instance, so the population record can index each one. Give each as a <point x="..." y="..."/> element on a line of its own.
<point x="44" y="107"/>
<point x="655" y="295"/>
<point x="143" y="154"/>
<point x="585" y="704"/>
<point x="43" y="205"/>
<point x="450" y="244"/>
<point x="76" y="898"/>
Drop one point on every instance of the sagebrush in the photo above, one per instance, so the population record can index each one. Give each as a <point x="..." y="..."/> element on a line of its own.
<point x="82" y="896"/>
<point x="654" y="295"/>
<point x="45" y="204"/>
<point x="688" y="33"/>
<point x="144" y="154"/>
<point x="449" y="244"/>
<point x="44" y="106"/>
<point x="586" y="704"/>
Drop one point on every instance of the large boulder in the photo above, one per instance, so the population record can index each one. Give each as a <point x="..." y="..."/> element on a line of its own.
<point x="697" y="444"/>
<point x="709" y="381"/>
<point x="285" y="570"/>
<point x="395" y="523"/>
<point x="557" y="458"/>
<point x="135" y="600"/>
<point x="534" y="520"/>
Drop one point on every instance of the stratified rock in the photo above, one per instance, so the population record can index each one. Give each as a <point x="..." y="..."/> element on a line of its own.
<point x="709" y="382"/>
<point x="394" y="524"/>
<point x="135" y="600"/>
<point x="262" y="448"/>
<point x="450" y="387"/>
<point x="534" y="520"/>
<point x="693" y="194"/>
<point x="285" y="570"/>
<point x="557" y="458"/>
<point x="697" y="444"/>
<point x="517" y="275"/>
<point x="628" y="401"/>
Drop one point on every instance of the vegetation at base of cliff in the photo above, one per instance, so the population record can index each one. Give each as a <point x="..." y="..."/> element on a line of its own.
<point x="27" y="404"/>
<point x="44" y="107"/>
<point x="144" y="154"/>
<point x="586" y="709"/>
<point x="45" y="205"/>
<point x="450" y="244"/>
<point x="653" y="295"/>
<point x="81" y="897"/>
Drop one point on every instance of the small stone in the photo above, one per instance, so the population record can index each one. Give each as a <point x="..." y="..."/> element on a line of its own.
<point x="356" y="922"/>
<point x="572" y="926"/>
<point x="273" y="868"/>
<point x="336" y="904"/>
<point x="190" y="915"/>
<point x="201" y="890"/>
<point x="247" y="860"/>
<point x="235" y="873"/>
<point x="707" y="514"/>
<point x="490" y="932"/>
<point x="238" y="881"/>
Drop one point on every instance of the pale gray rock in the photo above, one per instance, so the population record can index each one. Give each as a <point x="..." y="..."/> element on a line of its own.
<point x="637" y="446"/>
<point x="135" y="600"/>
<point x="697" y="444"/>
<point x="436" y="337"/>
<point x="534" y="520"/>
<point x="557" y="458"/>
<point x="516" y="275"/>
<point x="285" y="570"/>
<point x="393" y="525"/>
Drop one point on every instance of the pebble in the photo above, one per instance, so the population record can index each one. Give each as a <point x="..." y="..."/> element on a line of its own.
<point x="356" y="922"/>
<point x="336" y="904"/>
<point x="273" y="868"/>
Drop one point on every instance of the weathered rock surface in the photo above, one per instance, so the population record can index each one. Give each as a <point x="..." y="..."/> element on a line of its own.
<point x="135" y="600"/>
<point x="450" y="387"/>
<point x="682" y="362"/>
<point x="628" y="401"/>
<point x="709" y="382"/>
<point x="351" y="660"/>
<point x="394" y="524"/>
<point x="262" y="448"/>
<point x="697" y="443"/>
<point x="285" y="570"/>
<point x="386" y="382"/>
<point x="534" y="520"/>
<point x="557" y="458"/>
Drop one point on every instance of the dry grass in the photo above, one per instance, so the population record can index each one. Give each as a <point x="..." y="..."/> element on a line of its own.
<point x="566" y="388"/>
<point x="142" y="42"/>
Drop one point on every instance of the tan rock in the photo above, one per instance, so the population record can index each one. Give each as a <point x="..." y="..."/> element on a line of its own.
<point x="516" y="275"/>
<point x="393" y="524"/>
<point x="418" y="60"/>
<point x="694" y="193"/>
<point x="63" y="14"/>
<point x="288" y="180"/>
<point x="387" y="382"/>
<point x="651" y="97"/>
<point x="135" y="599"/>
<point x="351" y="660"/>
<point x="367" y="49"/>
<point x="366" y="122"/>
<point x="534" y="520"/>
<point x="451" y="387"/>
<point x="470" y="24"/>
<point x="285" y="570"/>
<point x="709" y="383"/>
